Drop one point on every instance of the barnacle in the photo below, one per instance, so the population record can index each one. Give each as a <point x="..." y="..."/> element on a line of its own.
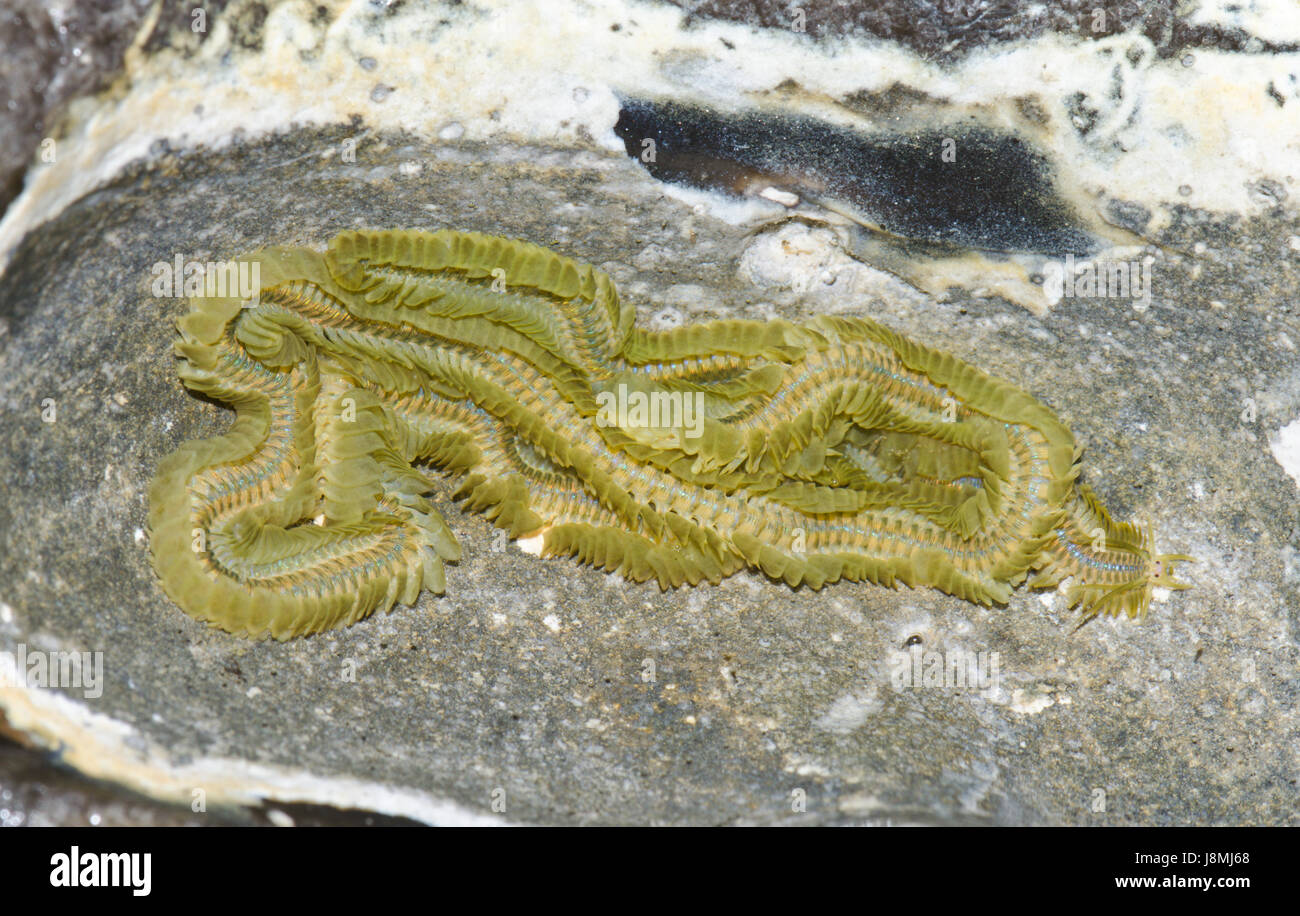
<point x="832" y="450"/>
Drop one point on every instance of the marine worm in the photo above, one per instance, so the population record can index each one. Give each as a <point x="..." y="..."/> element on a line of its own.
<point x="836" y="449"/>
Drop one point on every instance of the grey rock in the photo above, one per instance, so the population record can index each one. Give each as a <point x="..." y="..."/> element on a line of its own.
<point x="543" y="692"/>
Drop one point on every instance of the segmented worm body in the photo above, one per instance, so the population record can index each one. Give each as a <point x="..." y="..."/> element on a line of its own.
<point x="832" y="450"/>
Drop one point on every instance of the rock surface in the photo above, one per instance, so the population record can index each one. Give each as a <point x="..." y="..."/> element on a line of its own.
<point x="543" y="692"/>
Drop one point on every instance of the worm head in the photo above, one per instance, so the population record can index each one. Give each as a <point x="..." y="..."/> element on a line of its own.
<point x="1160" y="570"/>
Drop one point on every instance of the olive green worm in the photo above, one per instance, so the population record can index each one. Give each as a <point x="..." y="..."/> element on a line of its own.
<point x="837" y="449"/>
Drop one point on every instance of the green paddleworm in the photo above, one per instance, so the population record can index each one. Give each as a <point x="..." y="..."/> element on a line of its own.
<point x="832" y="450"/>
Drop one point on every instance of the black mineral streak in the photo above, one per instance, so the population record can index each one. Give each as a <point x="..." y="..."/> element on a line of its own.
<point x="994" y="192"/>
